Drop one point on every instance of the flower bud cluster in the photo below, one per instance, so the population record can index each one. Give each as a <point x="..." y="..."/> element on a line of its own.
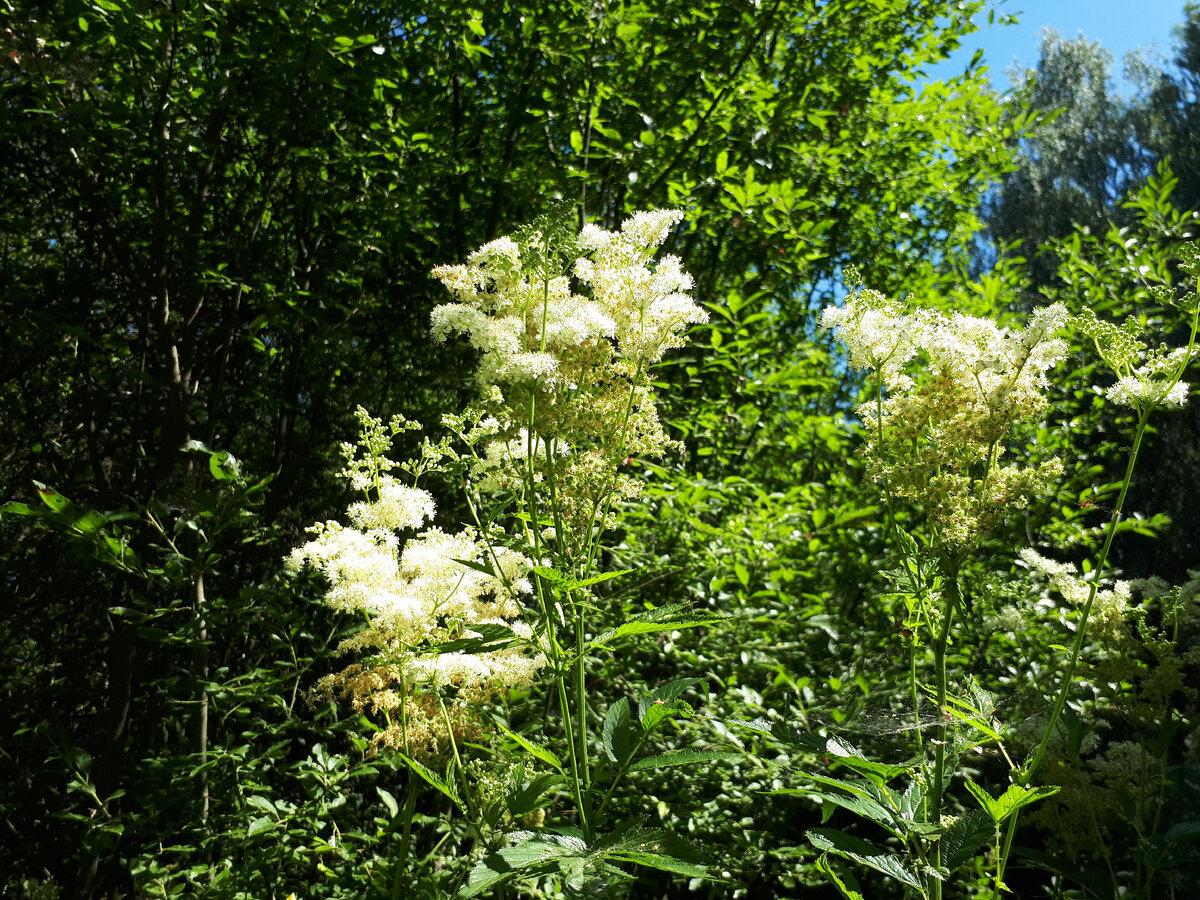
<point x="1145" y="377"/>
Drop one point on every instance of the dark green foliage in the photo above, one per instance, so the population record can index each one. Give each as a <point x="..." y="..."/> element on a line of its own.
<point x="219" y="227"/>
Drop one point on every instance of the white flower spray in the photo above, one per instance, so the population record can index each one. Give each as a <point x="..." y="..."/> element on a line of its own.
<point x="417" y="600"/>
<point x="951" y="394"/>
<point x="939" y="442"/>
<point x="566" y="326"/>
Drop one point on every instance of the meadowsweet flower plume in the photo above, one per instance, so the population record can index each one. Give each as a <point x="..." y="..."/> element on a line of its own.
<point x="952" y="389"/>
<point x="566" y="324"/>
<point x="429" y="590"/>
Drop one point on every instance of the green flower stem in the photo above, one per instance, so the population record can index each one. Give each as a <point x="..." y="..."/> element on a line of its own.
<point x="578" y="674"/>
<point x="577" y="764"/>
<point x="577" y="755"/>
<point x="916" y="699"/>
<point x="579" y="671"/>
<point x="950" y="576"/>
<point x="622" y="770"/>
<point x="462" y="775"/>
<point x="410" y="806"/>
<point x="1025" y="776"/>
<point x="592" y="550"/>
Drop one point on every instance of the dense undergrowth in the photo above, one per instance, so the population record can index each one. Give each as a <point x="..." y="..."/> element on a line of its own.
<point x="675" y="593"/>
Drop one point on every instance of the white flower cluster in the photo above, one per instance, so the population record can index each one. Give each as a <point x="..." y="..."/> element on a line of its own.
<point x="398" y="507"/>
<point x="1155" y="382"/>
<point x="867" y="326"/>
<point x="938" y="440"/>
<point x="649" y="307"/>
<point x="1110" y="603"/>
<point x="423" y="594"/>
<point x="982" y="360"/>
<point x="523" y="318"/>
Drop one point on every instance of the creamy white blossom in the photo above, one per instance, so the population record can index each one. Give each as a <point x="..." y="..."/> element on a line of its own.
<point x="1155" y="382"/>
<point x="1108" y="604"/>
<point x="650" y="307"/>
<point x="522" y="320"/>
<point x="425" y="594"/>
<point x="1133" y="390"/>
<point x="518" y="324"/>
<point x="951" y="389"/>
<point x="501" y="466"/>
<point x="433" y="588"/>
<point x="397" y="507"/>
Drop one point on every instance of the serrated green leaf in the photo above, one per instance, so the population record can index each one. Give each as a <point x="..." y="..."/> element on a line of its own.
<point x="530" y="747"/>
<point x="558" y="579"/>
<point x="850" y="756"/>
<point x="860" y="851"/>
<point x="532" y="854"/>
<point x="488" y="638"/>
<point x="618" y="734"/>
<point x="855" y="797"/>
<point x="653" y="847"/>
<point x="661" y="710"/>
<point x="433" y="779"/>
<point x="962" y="840"/>
<point x="673" y="617"/>
<point x="659" y="861"/>
<point x="679" y="758"/>
<point x="1013" y="799"/>
<point x="667" y="693"/>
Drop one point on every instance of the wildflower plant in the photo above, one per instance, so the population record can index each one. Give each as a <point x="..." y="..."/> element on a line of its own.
<point x="953" y="395"/>
<point x="566" y="326"/>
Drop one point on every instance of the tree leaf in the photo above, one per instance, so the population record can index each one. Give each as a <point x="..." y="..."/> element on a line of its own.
<point x="389" y="801"/>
